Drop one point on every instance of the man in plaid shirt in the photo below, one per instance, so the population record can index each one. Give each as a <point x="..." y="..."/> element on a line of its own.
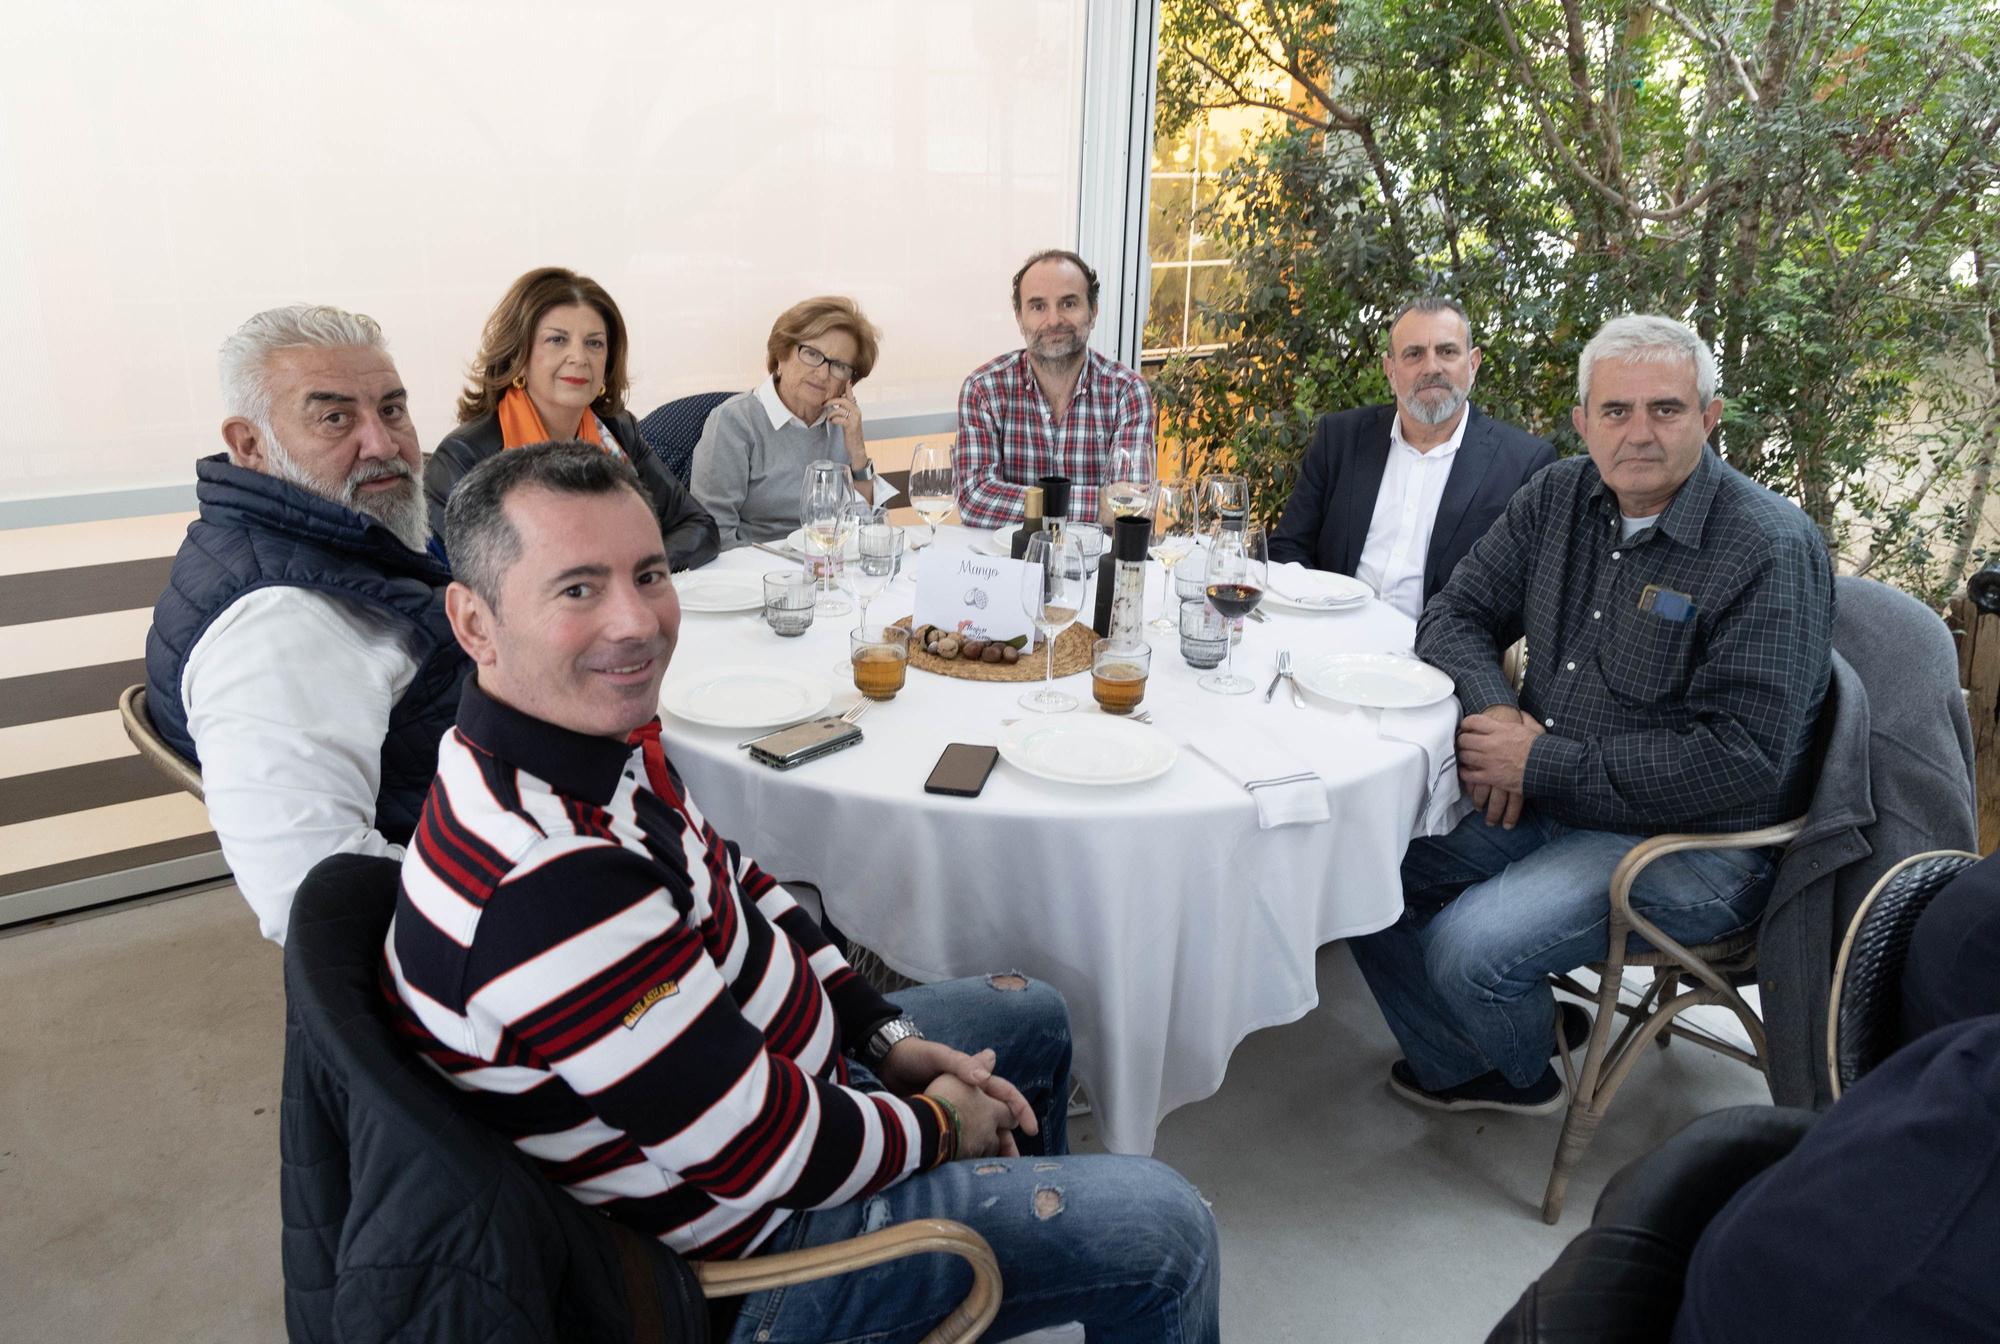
<point x="1056" y="408"/>
<point x="1679" y="621"/>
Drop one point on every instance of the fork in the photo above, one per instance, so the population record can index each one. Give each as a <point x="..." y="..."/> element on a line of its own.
<point x="851" y="716"/>
<point x="1137" y="716"/>
<point x="1284" y="671"/>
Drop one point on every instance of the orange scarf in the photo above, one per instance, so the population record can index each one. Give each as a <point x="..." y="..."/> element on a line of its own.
<point x="521" y="424"/>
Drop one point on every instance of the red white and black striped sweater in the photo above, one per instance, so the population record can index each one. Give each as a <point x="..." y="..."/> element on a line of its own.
<point x="623" y="994"/>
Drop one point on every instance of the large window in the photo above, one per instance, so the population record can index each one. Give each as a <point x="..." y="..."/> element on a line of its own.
<point x="1189" y="271"/>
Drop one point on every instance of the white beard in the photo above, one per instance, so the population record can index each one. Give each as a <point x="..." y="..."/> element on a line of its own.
<point x="403" y="512"/>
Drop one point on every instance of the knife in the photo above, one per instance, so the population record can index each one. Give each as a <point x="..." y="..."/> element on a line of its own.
<point x="1272" y="689"/>
<point x="783" y="553"/>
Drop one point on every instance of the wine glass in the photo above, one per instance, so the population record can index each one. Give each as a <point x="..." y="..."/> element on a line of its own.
<point x="1235" y="582"/>
<point x="878" y="556"/>
<point x="933" y="486"/>
<point x="1129" y="486"/>
<point x="1229" y="498"/>
<point x="1173" y="538"/>
<point x="1052" y="583"/>
<point x="825" y="495"/>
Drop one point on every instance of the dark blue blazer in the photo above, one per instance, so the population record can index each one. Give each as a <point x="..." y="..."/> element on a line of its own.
<point x="1326" y="520"/>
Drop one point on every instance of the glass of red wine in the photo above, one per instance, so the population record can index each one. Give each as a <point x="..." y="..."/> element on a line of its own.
<point x="1235" y="585"/>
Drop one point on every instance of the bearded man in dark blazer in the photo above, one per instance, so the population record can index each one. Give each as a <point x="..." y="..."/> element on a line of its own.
<point x="1396" y="495"/>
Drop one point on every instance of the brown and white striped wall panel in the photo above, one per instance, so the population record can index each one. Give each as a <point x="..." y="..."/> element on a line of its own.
<point x="82" y="818"/>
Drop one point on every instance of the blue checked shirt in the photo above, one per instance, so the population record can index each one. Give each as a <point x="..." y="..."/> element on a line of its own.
<point x="1679" y="674"/>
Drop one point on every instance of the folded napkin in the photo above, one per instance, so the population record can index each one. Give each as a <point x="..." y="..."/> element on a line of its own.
<point x="1433" y="731"/>
<point x="1285" y="788"/>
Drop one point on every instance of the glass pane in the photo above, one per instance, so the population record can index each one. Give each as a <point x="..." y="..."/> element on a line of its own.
<point x="1166" y="313"/>
<point x="1167" y="221"/>
<point x="1212" y="285"/>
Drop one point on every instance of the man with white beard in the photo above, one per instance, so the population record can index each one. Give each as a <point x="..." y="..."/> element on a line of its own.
<point x="1396" y="495"/>
<point x="301" y="655"/>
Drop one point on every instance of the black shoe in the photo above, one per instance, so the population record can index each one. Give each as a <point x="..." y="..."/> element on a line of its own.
<point x="1488" y="1092"/>
<point x="1573" y="1020"/>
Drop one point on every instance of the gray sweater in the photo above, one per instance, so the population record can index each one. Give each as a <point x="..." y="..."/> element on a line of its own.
<point x="747" y="474"/>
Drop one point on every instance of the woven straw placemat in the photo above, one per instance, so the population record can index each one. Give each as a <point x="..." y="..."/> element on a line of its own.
<point x="1072" y="656"/>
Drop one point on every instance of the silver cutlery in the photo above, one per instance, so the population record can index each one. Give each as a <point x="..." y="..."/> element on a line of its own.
<point x="1258" y="616"/>
<point x="851" y="716"/>
<point x="1139" y="716"/>
<point x="782" y="552"/>
<point x="1291" y="682"/>
<point x="1284" y="670"/>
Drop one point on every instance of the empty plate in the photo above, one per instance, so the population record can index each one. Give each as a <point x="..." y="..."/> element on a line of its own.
<point x="1373" y="680"/>
<point x="724" y="591"/>
<point x="999" y="543"/>
<point x="1088" y="749"/>
<point x="1315" y="590"/>
<point x="746" y="697"/>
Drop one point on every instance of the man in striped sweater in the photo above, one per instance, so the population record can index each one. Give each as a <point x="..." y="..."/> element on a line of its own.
<point x="653" y="1020"/>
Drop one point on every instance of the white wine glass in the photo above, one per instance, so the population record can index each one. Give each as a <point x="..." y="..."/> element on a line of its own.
<point x="1128" y="488"/>
<point x="825" y="495"/>
<point x="933" y="487"/>
<point x="1228" y="498"/>
<point x="878" y="556"/>
<point x="1235" y="585"/>
<point x="1173" y="538"/>
<point x="1052" y="583"/>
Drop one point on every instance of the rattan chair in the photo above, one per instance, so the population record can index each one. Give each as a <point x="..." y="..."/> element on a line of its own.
<point x="1684" y="978"/>
<point x="1864" y="1020"/>
<point x="139" y="727"/>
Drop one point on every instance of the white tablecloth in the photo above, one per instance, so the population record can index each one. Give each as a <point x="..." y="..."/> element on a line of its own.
<point x="1170" y="922"/>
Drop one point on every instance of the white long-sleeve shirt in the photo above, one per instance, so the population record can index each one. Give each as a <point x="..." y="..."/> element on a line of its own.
<point x="287" y="695"/>
<point x="1406" y="507"/>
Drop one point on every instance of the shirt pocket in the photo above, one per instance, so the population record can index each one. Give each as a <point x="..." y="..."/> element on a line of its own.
<point x="1647" y="662"/>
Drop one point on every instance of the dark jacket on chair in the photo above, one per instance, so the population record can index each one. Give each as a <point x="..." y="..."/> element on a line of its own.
<point x="258" y="531"/>
<point x="691" y="535"/>
<point x="1895" y="779"/>
<point x="1326" y="520"/>
<point x="406" y="1220"/>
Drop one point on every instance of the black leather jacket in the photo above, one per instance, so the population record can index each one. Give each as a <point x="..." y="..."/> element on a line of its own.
<point x="691" y="535"/>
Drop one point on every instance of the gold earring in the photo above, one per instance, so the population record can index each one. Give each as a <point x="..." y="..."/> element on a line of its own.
<point x="600" y="389"/>
<point x="520" y="380"/>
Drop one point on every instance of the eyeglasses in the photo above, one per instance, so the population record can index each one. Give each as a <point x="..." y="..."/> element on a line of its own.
<point x="813" y="358"/>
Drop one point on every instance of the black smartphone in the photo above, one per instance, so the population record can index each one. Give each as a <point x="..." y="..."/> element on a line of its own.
<point x="962" y="770"/>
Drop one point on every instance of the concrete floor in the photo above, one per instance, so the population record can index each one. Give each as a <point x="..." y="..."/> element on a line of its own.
<point x="139" y="1083"/>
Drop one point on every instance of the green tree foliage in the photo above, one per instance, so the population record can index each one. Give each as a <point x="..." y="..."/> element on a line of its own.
<point x="1814" y="185"/>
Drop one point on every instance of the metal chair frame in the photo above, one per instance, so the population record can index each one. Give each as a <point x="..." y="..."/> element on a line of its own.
<point x="1715" y="968"/>
<point x="139" y="727"/>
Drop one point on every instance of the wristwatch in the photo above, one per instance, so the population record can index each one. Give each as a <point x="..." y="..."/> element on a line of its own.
<point x="878" y="1046"/>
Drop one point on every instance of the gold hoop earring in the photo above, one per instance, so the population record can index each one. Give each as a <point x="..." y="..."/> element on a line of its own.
<point x="520" y="380"/>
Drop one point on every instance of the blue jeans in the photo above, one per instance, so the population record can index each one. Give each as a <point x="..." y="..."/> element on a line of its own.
<point x="1464" y="982"/>
<point x="1122" y="1244"/>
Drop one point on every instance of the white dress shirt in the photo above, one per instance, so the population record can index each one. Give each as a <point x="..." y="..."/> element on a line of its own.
<point x="288" y="694"/>
<point x="1399" y="534"/>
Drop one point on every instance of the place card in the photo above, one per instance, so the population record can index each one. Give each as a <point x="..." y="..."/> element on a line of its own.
<point x="976" y="595"/>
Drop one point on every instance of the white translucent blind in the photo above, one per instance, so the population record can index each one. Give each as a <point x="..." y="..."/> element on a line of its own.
<point x="165" y="170"/>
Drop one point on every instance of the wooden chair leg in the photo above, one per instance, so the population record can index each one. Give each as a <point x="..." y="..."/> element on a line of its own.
<point x="1669" y="981"/>
<point x="1580" y="1120"/>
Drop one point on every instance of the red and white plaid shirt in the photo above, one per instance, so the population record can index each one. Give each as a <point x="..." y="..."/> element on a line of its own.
<point x="1007" y="436"/>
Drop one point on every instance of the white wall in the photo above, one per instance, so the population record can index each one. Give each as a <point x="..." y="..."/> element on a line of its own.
<point x="165" y="170"/>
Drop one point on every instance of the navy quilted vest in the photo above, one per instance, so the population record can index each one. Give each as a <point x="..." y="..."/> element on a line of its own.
<point x="257" y="531"/>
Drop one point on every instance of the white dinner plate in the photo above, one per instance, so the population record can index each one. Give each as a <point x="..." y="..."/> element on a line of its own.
<point x="797" y="541"/>
<point x="1374" y="680"/>
<point x="1088" y="749"/>
<point x="1316" y="590"/>
<point x="999" y="543"/>
<point x="746" y="697"/>
<point x="725" y="590"/>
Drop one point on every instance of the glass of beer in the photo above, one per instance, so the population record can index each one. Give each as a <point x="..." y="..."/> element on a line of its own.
<point x="880" y="657"/>
<point x="1118" y="674"/>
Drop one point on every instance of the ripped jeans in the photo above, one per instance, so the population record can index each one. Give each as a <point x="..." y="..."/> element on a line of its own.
<point x="1122" y="1244"/>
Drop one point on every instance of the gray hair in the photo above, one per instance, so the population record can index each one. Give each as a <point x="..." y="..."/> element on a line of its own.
<point x="1431" y="303"/>
<point x="482" y="543"/>
<point x="1648" y="338"/>
<point x="246" y="355"/>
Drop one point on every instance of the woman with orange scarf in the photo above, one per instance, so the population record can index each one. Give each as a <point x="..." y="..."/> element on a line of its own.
<point x="551" y="365"/>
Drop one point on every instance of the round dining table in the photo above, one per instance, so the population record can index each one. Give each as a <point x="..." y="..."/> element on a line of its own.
<point x="1171" y="922"/>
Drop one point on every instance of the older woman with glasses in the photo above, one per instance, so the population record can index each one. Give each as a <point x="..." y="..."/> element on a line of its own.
<point x="752" y="457"/>
<point x="551" y="365"/>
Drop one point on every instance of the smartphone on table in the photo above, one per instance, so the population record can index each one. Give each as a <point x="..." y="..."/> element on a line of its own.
<point x="962" y="770"/>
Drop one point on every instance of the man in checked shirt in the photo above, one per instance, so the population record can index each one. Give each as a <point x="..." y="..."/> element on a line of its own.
<point x="1679" y="621"/>
<point x="1055" y="408"/>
